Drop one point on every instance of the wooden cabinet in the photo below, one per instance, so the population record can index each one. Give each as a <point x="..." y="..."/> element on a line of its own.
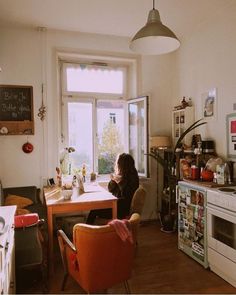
<point x="7" y="251"/>
<point x="181" y="120"/>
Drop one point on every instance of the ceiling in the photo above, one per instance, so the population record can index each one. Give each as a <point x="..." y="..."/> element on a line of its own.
<point x="110" y="17"/>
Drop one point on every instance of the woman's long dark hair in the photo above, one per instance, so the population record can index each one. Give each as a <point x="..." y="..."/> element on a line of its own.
<point x="126" y="164"/>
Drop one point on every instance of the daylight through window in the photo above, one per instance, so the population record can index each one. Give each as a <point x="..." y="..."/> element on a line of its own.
<point x="93" y="125"/>
<point x="98" y="121"/>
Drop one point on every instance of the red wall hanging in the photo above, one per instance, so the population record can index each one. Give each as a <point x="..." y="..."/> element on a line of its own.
<point x="27" y="147"/>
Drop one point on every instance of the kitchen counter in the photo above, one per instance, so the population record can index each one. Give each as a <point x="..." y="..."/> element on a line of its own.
<point x="207" y="183"/>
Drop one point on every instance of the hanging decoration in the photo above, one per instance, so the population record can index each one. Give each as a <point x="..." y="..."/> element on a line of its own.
<point x="27" y="147"/>
<point x="43" y="43"/>
<point x="42" y="109"/>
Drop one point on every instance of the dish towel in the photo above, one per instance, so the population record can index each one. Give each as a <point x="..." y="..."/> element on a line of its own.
<point x="122" y="228"/>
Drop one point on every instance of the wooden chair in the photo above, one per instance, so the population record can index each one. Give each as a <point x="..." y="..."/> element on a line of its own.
<point x="136" y="206"/>
<point x="98" y="258"/>
<point x="30" y="248"/>
<point x="138" y="200"/>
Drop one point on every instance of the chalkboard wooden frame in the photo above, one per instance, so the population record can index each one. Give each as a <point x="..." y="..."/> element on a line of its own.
<point x="16" y="110"/>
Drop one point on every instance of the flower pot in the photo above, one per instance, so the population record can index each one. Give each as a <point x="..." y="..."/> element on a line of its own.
<point x="168" y="223"/>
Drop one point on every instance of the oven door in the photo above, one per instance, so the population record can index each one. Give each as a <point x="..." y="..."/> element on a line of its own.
<point x="221" y="231"/>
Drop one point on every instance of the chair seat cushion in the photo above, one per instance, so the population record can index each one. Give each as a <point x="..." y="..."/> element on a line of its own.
<point x="26" y="220"/>
<point x="19" y="201"/>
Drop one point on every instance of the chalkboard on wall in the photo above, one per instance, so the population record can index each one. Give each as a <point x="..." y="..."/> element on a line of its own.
<point x="16" y="109"/>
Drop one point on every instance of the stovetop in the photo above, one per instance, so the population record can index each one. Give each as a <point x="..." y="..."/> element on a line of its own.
<point x="224" y="197"/>
<point x="227" y="190"/>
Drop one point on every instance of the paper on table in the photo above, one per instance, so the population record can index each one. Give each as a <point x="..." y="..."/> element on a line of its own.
<point x="89" y="188"/>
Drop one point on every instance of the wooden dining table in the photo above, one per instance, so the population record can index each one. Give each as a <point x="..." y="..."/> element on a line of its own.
<point x="94" y="197"/>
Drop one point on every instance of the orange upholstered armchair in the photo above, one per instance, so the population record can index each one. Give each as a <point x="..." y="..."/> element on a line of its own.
<point x="98" y="258"/>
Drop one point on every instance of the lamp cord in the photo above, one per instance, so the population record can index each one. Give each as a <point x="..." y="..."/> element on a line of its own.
<point x="153" y="4"/>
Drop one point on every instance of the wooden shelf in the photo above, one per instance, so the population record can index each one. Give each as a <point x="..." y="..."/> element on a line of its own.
<point x="17" y="127"/>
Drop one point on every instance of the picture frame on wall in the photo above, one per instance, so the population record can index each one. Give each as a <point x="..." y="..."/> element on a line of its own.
<point x="51" y="182"/>
<point x="16" y="110"/>
<point x="209" y="104"/>
<point x="231" y="135"/>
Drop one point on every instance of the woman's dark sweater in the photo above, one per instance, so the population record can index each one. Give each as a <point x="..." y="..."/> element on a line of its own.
<point x="124" y="191"/>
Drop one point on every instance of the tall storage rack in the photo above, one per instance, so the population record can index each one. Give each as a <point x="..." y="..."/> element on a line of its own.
<point x="181" y="120"/>
<point x="192" y="231"/>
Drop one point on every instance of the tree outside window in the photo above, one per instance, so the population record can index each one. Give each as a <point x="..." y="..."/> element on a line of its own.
<point x="109" y="147"/>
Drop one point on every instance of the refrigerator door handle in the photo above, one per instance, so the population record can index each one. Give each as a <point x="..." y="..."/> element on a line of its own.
<point x="177" y="194"/>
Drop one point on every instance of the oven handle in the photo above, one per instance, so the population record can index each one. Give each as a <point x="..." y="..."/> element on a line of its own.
<point x="221" y="212"/>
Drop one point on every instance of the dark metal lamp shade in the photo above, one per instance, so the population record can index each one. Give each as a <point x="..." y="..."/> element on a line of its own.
<point x="154" y="38"/>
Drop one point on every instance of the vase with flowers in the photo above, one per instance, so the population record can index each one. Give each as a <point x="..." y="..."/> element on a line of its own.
<point x="65" y="161"/>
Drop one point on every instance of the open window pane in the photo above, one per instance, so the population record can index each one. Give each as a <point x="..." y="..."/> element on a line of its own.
<point x="80" y="127"/>
<point x="110" y="132"/>
<point x="94" y="79"/>
<point x="138" y="145"/>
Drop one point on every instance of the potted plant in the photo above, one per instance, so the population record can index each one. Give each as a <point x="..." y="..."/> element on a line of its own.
<point x="168" y="220"/>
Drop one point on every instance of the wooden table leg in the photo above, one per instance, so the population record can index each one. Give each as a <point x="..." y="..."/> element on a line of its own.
<point x="50" y="239"/>
<point x="114" y="210"/>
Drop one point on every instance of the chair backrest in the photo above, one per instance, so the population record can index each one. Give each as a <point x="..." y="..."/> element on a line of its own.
<point x="28" y="248"/>
<point x="138" y="200"/>
<point x="103" y="258"/>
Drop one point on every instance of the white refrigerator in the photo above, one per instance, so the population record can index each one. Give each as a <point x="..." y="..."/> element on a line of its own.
<point x="192" y="235"/>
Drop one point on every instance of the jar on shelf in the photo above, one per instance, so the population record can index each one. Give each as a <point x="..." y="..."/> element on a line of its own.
<point x="194" y="172"/>
<point x="184" y="103"/>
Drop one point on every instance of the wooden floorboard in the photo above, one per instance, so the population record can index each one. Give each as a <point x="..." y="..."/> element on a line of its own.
<point x="160" y="268"/>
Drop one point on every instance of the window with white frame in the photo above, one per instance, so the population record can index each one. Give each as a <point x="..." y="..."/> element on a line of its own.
<point x="95" y="116"/>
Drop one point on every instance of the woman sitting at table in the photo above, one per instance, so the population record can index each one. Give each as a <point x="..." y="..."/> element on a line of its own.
<point x="123" y="184"/>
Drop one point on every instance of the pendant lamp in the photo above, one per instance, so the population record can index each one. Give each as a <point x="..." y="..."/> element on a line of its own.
<point x="154" y="38"/>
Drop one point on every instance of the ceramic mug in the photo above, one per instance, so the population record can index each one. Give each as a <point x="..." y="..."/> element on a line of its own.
<point x="67" y="194"/>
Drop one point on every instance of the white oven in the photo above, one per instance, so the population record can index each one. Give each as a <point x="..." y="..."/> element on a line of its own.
<point x="221" y="232"/>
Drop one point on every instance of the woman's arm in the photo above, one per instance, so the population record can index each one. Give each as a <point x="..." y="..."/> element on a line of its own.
<point x="114" y="188"/>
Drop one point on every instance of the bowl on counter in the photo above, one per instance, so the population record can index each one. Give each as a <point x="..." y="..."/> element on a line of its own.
<point x="67" y="194"/>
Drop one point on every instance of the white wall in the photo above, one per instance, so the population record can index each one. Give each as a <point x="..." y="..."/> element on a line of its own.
<point x="207" y="59"/>
<point x="20" y="63"/>
<point x="157" y="83"/>
<point x="20" y="59"/>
